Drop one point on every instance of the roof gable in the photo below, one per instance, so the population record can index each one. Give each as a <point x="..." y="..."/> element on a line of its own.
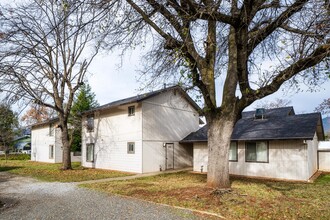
<point x="142" y="97"/>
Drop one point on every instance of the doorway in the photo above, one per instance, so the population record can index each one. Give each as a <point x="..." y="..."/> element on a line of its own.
<point x="169" y="156"/>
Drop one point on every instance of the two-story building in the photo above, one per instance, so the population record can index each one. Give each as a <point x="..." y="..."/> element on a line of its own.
<point x="141" y="134"/>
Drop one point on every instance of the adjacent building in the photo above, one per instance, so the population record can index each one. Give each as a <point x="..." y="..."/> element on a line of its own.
<point x="271" y="143"/>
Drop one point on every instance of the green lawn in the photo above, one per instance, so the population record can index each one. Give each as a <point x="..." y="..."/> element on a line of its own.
<point x="52" y="172"/>
<point x="250" y="198"/>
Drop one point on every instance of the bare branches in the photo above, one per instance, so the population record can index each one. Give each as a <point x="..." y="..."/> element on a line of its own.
<point x="276" y="23"/>
<point x="319" y="54"/>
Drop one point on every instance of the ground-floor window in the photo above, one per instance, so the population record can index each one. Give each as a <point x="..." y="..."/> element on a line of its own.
<point x="256" y="151"/>
<point x="233" y="151"/>
<point x="130" y="147"/>
<point x="90" y="152"/>
<point x="51" y="151"/>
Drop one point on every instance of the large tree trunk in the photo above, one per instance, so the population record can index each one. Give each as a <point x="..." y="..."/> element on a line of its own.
<point x="66" y="148"/>
<point x="219" y="136"/>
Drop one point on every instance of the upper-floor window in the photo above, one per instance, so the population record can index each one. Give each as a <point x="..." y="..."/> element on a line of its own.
<point x="131" y="110"/>
<point x="51" y="129"/>
<point x="233" y="151"/>
<point x="256" y="151"/>
<point x="90" y="123"/>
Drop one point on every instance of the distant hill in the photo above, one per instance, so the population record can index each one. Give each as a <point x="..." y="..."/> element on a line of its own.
<point x="326" y="124"/>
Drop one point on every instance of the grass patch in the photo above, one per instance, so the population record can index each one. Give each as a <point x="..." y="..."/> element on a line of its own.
<point x="250" y="198"/>
<point x="53" y="172"/>
<point x="16" y="157"/>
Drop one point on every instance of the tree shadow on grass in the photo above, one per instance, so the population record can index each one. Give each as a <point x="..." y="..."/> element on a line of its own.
<point x="277" y="185"/>
<point x="4" y="169"/>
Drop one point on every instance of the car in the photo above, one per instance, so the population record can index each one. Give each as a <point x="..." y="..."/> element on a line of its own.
<point x="26" y="149"/>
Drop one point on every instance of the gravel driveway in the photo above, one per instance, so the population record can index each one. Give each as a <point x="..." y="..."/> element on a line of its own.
<point x="27" y="198"/>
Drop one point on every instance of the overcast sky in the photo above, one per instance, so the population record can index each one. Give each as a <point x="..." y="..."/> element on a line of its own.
<point x="111" y="82"/>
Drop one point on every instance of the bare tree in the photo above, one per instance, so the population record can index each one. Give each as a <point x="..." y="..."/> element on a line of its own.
<point x="324" y="107"/>
<point x="194" y="42"/>
<point x="276" y="103"/>
<point x="45" y="51"/>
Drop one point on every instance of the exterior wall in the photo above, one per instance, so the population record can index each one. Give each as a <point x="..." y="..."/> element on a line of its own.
<point x="324" y="160"/>
<point x="324" y="145"/>
<point x="40" y="141"/>
<point x="287" y="160"/>
<point x="200" y="157"/>
<point x="154" y="154"/>
<point x="167" y="118"/>
<point x="312" y="147"/>
<point x="58" y="146"/>
<point x="112" y="130"/>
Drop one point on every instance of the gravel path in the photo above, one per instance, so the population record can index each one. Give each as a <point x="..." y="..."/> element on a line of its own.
<point x="27" y="198"/>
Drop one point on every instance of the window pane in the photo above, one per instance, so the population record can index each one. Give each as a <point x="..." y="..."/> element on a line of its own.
<point x="90" y="123"/>
<point x="51" y="129"/>
<point x="130" y="147"/>
<point x="90" y="152"/>
<point x="131" y="110"/>
<point x="233" y="151"/>
<point x="51" y="151"/>
<point x="251" y="152"/>
<point x="262" y="152"/>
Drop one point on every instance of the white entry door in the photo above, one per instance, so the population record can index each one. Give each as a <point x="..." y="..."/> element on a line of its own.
<point x="169" y="156"/>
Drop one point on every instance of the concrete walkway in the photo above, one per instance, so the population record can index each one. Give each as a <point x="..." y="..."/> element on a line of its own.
<point x="140" y="175"/>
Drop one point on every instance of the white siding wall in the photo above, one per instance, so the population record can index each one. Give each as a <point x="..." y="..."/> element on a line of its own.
<point x="287" y="160"/>
<point x="312" y="147"/>
<point x="200" y="157"/>
<point x="40" y="141"/>
<point x="324" y="160"/>
<point x="112" y="130"/>
<point x="58" y="148"/>
<point x="167" y="118"/>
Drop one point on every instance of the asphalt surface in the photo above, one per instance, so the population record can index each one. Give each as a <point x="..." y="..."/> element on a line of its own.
<point x="27" y="198"/>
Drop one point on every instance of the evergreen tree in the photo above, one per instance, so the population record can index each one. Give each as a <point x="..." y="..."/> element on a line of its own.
<point x="8" y="122"/>
<point x="85" y="100"/>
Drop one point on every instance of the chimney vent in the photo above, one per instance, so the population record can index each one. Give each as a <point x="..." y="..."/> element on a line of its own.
<point x="260" y="113"/>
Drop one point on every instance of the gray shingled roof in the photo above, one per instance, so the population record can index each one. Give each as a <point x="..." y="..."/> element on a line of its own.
<point x="280" y="124"/>
<point x="141" y="97"/>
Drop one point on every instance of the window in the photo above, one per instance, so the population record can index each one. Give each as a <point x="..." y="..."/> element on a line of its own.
<point x="90" y="152"/>
<point x="90" y="123"/>
<point x="256" y="151"/>
<point x="130" y="147"/>
<point x="233" y="151"/>
<point x="51" y="151"/>
<point x="51" y="129"/>
<point x="131" y="110"/>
